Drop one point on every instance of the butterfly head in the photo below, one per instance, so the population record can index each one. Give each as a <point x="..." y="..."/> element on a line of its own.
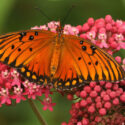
<point x="59" y="29"/>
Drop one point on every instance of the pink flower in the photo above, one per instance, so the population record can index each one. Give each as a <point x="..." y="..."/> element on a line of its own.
<point x="108" y="19"/>
<point x="43" y="27"/>
<point x="18" y="94"/>
<point x="33" y="90"/>
<point x="91" y="35"/>
<point x="121" y="45"/>
<point x="67" y="29"/>
<point x="5" y="96"/>
<point x="119" y="37"/>
<point x="79" y="27"/>
<point x="47" y="102"/>
<point x="102" y="36"/>
<point x="53" y="25"/>
<point x="3" y="67"/>
<point x="14" y="73"/>
<point x="90" y="21"/>
<point x="46" y="91"/>
<point x="16" y="81"/>
<point x="74" y="31"/>
<point x="102" y="44"/>
<point x="5" y="74"/>
<point x="85" y="27"/>
<point x="118" y="59"/>
<point x="102" y="111"/>
<point x="123" y="65"/>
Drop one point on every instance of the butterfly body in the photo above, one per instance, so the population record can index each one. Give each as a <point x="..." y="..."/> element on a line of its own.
<point x="65" y="61"/>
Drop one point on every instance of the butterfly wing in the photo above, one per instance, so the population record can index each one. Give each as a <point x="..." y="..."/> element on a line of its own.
<point x="29" y="52"/>
<point x="82" y="62"/>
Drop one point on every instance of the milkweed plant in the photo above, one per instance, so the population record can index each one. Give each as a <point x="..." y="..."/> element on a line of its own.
<point x="97" y="103"/>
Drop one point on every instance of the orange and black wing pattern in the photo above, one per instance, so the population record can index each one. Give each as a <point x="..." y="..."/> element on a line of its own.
<point x="29" y="52"/>
<point x="66" y="61"/>
<point x="82" y="62"/>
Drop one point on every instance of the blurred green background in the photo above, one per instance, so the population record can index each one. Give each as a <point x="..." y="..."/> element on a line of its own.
<point x="18" y="15"/>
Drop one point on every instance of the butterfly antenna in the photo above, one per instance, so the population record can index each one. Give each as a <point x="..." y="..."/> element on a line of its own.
<point x="69" y="11"/>
<point x="43" y="14"/>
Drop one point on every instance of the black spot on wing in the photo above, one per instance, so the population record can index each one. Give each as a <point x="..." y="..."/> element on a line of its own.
<point x="84" y="48"/>
<point x="12" y="47"/>
<point x="31" y="37"/>
<point x="22" y="34"/>
<point x="36" y="33"/>
<point x="79" y="58"/>
<point x="93" y="48"/>
<point x="81" y="42"/>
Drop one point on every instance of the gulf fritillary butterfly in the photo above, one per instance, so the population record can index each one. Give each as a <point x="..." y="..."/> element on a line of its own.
<point x="66" y="61"/>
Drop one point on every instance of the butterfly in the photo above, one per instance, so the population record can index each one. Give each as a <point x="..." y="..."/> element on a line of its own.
<point x="65" y="61"/>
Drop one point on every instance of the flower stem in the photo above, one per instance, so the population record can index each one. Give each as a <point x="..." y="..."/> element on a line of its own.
<point x="37" y="113"/>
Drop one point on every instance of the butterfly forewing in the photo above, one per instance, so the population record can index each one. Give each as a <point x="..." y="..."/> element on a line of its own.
<point x="28" y="51"/>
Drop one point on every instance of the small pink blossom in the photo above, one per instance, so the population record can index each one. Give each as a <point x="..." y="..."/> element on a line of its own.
<point x="90" y="21"/>
<point x="102" y="111"/>
<point x="85" y="121"/>
<point x="14" y="73"/>
<point x="108" y="19"/>
<point x="118" y="59"/>
<point x="5" y="96"/>
<point x="18" y="94"/>
<point x="33" y="90"/>
<point x="53" y="25"/>
<point x="119" y="37"/>
<point x="47" y="102"/>
<point x="67" y="29"/>
<point x="83" y="103"/>
<point x="85" y="27"/>
<point x="5" y="74"/>
<point x="102" y="44"/>
<point x="43" y="27"/>
<point x="107" y="105"/>
<point x="102" y="36"/>
<point x="16" y="82"/>
<point x="91" y="35"/>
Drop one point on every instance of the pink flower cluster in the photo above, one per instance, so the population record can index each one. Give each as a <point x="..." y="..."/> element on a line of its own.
<point x="52" y="26"/>
<point x="95" y="103"/>
<point x="105" y="33"/>
<point x="12" y="87"/>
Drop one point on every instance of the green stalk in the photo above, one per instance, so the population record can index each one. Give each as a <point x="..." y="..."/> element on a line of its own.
<point x="37" y="113"/>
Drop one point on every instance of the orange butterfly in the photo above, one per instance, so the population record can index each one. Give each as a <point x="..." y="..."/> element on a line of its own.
<point x="66" y="61"/>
